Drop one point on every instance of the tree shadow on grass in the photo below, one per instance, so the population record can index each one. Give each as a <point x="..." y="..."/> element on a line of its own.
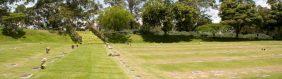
<point x="227" y="39"/>
<point x="187" y="38"/>
<point x="166" y="38"/>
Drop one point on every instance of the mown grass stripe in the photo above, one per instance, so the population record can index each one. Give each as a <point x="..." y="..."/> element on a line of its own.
<point x="87" y="62"/>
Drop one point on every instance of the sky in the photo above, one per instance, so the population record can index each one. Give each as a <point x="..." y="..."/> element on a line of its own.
<point x="210" y="11"/>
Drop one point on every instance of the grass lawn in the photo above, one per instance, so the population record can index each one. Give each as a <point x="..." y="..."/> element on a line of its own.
<point x="21" y="57"/>
<point x="205" y="60"/>
<point x="87" y="62"/>
<point x="184" y="60"/>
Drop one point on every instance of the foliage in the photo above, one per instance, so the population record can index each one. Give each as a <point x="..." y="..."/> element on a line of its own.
<point x="185" y="17"/>
<point x="12" y="24"/>
<point x="266" y="20"/>
<point x="134" y="6"/>
<point x="197" y="14"/>
<point x="115" y="18"/>
<point x="113" y="21"/>
<point x="117" y="37"/>
<point x="239" y="14"/>
<point x="157" y="14"/>
<point x="276" y="14"/>
<point x="213" y="28"/>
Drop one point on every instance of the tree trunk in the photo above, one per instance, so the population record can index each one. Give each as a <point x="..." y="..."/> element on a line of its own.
<point x="237" y="35"/>
<point x="238" y="29"/>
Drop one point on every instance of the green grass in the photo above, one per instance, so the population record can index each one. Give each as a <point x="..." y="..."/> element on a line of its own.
<point x="35" y="36"/>
<point x="26" y="53"/>
<point x="26" y="56"/>
<point x="218" y="65"/>
<point x="19" y="56"/>
<point x="84" y="63"/>
<point x="245" y="59"/>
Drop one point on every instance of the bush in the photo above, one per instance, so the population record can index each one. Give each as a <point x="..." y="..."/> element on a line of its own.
<point x="213" y="28"/>
<point x="12" y="24"/>
<point x="256" y="36"/>
<point x="117" y="37"/>
<point x="13" y="31"/>
<point x="115" y="19"/>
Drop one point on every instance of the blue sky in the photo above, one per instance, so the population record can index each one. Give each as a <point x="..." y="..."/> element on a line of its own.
<point x="212" y="12"/>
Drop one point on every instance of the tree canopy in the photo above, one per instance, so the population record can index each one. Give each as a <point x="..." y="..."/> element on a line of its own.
<point x="68" y="16"/>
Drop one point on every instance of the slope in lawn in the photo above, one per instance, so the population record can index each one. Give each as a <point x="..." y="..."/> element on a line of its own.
<point x="19" y="56"/>
<point x="33" y="36"/>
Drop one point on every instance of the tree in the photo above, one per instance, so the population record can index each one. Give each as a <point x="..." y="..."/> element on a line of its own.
<point x="185" y="17"/>
<point x="115" y="19"/>
<point x="213" y="28"/>
<point x="157" y="14"/>
<point x="44" y="12"/>
<point x="4" y="8"/>
<point x="265" y="24"/>
<point x="64" y="14"/>
<point x="12" y="22"/>
<point x="51" y="12"/>
<point x="238" y="14"/>
<point x="134" y="6"/>
<point x="189" y="14"/>
<point x="12" y="25"/>
<point x="276" y="14"/>
<point x="115" y="22"/>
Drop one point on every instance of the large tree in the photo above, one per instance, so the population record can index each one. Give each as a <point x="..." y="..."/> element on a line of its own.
<point x="134" y="6"/>
<point x="265" y="24"/>
<point x="13" y="24"/>
<point x="56" y="13"/>
<point x="115" y="19"/>
<point x="185" y="16"/>
<point x="63" y="14"/>
<point x="157" y="14"/>
<point x="276" y="14"/>
<point x="190" y="13"/>
<point x="115" y="22"/>
<point x="238" y="14"/>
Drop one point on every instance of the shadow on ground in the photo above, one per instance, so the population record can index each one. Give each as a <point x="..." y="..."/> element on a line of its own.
<point x="188" y="38"/>
<point x="166" y="38"/>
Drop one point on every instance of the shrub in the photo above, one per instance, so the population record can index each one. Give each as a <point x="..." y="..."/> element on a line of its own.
<point x="13" y="31"/>
<point x="213" y="28"/>
<point x="12" y="24"/>
<point x="115" y="18"/>
<point x="117" y="37"/>
<point x="115" y="21"/>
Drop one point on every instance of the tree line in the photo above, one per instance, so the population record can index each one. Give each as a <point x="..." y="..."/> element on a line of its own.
<point x="143" y="16"/>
